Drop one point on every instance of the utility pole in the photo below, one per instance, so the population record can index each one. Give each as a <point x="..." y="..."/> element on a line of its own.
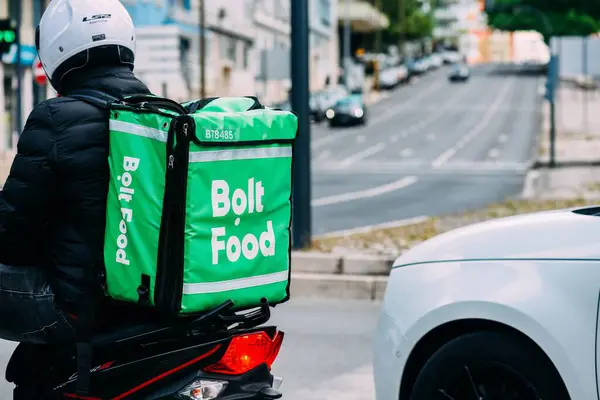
<point x="19" y="71"/>
<point x="378" y="31"/>
<point x="402" y="20"/>
<point x="586" y="99"/>
<point x="347" y="47"/>
<point x="202" y="50"/>
<point x="302" y="218"/>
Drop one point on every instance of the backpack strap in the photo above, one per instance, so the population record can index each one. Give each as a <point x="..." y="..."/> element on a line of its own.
<point x="95" y="97"/>
<point x="87" y="306"/>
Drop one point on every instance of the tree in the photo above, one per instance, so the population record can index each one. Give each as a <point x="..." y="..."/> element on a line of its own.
<point x="418" y="25"/>
<point x="565" y="17"/>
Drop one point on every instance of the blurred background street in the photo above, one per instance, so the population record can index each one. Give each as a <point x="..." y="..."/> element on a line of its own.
<point x="470" y="145"/>
<point x="425" y="109"/>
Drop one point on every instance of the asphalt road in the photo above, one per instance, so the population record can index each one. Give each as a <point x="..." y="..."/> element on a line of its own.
<point x="326" y="353"/>
<point x="430" y="148"/>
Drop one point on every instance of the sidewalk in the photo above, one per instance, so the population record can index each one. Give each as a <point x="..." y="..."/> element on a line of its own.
<point x="577" y="148"/>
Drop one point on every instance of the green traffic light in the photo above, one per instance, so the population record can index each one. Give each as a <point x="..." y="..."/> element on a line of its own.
<point x="8" y="36"/>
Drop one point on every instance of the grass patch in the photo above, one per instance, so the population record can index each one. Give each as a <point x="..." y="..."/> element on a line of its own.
<point x="593" y="187"/>
<point x="393" y="241"/>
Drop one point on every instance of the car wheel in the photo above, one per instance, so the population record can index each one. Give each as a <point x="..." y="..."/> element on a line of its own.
<point x="489" y="365"/>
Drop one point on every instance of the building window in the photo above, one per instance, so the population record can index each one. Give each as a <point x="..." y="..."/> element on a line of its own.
<point x="247" y="47"/>
<point x="249" y="8"/>
<point x="325" y="12"/>
<point x="228" y="48"/>
<point x="282" y="10"/>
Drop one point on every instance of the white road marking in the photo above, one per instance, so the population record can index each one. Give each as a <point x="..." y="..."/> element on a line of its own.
<point x="423" y="167"/>
<point x="369" y="228"/>
<point x="369" y="151"/>
<point x="354" y="385"/>
<point x="394" y="138"/>
<point x="430" y="137"/>
<point x="482" y="107"/>
<point x="485" y="121"/>
<point x="503" y="138"/>
<point x="366" y="193"/>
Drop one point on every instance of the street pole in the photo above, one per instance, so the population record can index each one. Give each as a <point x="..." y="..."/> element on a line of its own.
<point x="302" y="219"/>
<point x="378" y="32"/>
<point x="347" y="47"/>
<point x="202" y="51"/>
<point x="553" y="75"/>
<point x="586" y="91"/>
<point x="552" y="134"/>
<point x="402" y="19"/>
<point x="19" y="71"/>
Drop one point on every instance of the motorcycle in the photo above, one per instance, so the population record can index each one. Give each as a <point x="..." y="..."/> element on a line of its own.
<point x="221" y="355"/>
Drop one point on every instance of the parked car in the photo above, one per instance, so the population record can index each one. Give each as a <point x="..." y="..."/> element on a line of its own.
<point x="403" y="74"/>
<point x="350" y="110"/>
<point x="436" y="61"/>
<point x="421" y="66"/>
<point x="503" y="309"/>
<point x="451" y="57"/>
<point x="333" y="94"/>
<point x="318" y="106"/>
<point x="459" y="73"/>
<point x="411" y="67"/>
<point x="388" y="78"/>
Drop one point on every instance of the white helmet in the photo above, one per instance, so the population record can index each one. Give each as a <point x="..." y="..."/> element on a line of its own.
<point x="69" y="29"/>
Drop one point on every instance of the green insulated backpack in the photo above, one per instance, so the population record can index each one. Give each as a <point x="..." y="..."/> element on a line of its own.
<point x="199" y="202"/>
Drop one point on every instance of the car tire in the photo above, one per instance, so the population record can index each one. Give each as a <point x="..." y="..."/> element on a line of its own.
<point x="518" y="355"/>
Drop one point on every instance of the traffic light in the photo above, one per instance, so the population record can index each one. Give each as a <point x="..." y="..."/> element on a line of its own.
<point x="8" y="35"/>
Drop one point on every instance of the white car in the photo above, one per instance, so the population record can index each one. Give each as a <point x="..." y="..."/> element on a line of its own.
<point x="436" y="60"/>
<point x="451" y="57"/>
<point x="505" y="309"/>
<point x="389" y="78"/>
<point x="402" y="73"/>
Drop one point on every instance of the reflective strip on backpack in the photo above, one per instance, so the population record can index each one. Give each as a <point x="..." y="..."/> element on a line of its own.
<point x="138" y="130"/>
<point x="235" y="284"/>
<point x="241" y="154"/>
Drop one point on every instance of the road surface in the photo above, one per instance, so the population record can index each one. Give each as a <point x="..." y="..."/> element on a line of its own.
<point x="326" y="353"/>
<point x="428" y="149"/>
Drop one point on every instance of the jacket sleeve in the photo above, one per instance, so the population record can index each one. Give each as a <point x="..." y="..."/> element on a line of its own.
<point x="27" y="195"/>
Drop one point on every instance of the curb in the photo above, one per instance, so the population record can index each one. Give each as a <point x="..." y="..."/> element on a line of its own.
<point x="335" y="264"/>
<point x="355" y="287"/>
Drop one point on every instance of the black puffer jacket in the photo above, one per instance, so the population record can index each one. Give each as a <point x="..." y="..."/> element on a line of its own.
<point x="53" y="204"/>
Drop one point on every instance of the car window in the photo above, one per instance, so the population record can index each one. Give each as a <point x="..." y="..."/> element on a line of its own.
<point x="347" y="101"/>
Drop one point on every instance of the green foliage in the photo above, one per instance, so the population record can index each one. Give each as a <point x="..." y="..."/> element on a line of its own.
<point x="418" y="24"/>
<point x="565" y="17"/>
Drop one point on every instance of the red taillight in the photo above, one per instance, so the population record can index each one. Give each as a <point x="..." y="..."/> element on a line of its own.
<point x="246" y="352"/>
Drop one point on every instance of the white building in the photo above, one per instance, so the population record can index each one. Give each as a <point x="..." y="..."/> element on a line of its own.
<point x="168" y="55"/>
<point x="273" y="41"/>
